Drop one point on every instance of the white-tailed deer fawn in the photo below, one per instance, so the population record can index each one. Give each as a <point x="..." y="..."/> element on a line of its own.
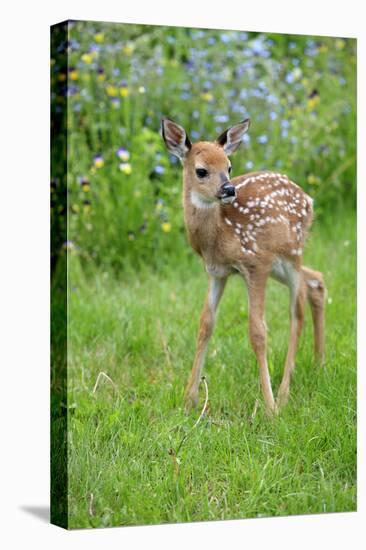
<point x="255" y="225"/>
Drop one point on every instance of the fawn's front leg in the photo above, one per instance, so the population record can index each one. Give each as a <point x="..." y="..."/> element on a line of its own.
<point x="256" y="283"/>
<point x="207" y="322"/>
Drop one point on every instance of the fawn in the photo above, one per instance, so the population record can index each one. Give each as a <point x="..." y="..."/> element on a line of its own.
<point x="254" y="225"/>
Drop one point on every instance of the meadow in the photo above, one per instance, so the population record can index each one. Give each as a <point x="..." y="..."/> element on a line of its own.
<point x="135" y="289"/>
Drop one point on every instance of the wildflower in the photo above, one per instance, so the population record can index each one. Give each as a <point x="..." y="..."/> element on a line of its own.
<point x="159" y="204"/>
<point x="128" y="49"/>
<point x="86" y="206"/>
<point x="221" y="118"/>
<point x="87" y="58"/>
<point x="115" y="102"/>
<point x="207" y="96"/>
<point x="123" y="154"/>
<point x="101" y="74"/>
<point x="112" y="91"/>
<point x="166" y="227"/>
<point x="69" y="245"/>
<point x="99" y="37"/>
<point x="195" y="134"/>
<point x="312" y="179"/>
<point x="249" y="164"/>
<point x="262" y="139"/>
<point x="126" y="168"/>
<point x="137" y="194"/>
<point x="124" y="91"/>
<point x="159" y="169"/>
<point x="313" y="100"/>
<point x="62" y="77"/>
<point x="131" y="236"/>
<point x="142" y="89"/>
<point x="85" y="185"/>
<point x="340" y="44"/>
<point x="98" y="161"/>
<point x="73" y="74"/>
<point x="297" y="73"/>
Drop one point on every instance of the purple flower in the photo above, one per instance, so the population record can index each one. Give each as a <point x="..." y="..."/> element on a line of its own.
<point x="123" y="154"/>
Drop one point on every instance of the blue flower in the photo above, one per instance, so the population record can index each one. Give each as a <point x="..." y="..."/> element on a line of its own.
<point x="195" y="134"/>
<point x="221" y="118"/>
<point x="262" y="139"/>
<point x="225" y="38"/>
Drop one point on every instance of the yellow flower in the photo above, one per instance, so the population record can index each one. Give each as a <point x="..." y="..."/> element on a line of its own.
<point x="312" y="179"/>
<point x="126" y="168"/>
<point x="87" y="58"/>
<point x="86" y="188"/>
<point x="101" y="77"/>
<point x="98" y="161"/>
<point x="340" y="44"/>
<point x="74" y="75"/>
<point x="137" y="194"/>
<point x="313" y="102"/>
<point x="207" y="96"/>
<point x="166" y="227"/>
<point x="174" y="63"/>
<point x="62" y="77"/>
<point x="124" y="91"/>
<point x="128" y="49"/>
<point x="99" y="37"/>
<point x="323" y="48"/>
<point x="112" y="91"/>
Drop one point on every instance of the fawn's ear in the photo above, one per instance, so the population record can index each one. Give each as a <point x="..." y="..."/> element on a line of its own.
<point x="231" y="138"/>
<point x="175" y="138"/>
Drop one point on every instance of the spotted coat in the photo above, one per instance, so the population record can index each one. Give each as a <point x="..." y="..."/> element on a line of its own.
<point x="264" y="201"/>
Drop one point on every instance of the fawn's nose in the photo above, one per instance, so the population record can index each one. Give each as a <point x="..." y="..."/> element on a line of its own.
<point x="226" y="192"/>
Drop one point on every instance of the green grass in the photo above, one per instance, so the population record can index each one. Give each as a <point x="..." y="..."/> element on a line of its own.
<point x="140" y="330"/>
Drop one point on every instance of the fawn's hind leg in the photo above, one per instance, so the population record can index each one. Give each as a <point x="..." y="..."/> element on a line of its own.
<point x="296" y="285"/>
<point x="316" y="294"/>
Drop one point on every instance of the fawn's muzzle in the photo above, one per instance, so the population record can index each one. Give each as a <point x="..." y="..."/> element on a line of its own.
<point x="226" y="193"/>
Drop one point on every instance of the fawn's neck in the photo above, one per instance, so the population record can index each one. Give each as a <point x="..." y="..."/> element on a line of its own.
<point x="202" y="222"/>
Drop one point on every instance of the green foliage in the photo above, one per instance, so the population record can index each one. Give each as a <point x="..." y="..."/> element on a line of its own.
<point x="125" y="191"/>
<point x="141" y="332"/>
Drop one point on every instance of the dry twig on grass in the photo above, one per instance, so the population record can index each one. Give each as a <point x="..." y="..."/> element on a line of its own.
<point x="105" y="376"/>
<point x="174" y="453"/>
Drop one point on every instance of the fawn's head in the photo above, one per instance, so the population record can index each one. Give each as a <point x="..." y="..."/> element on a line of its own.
<point x="206" y="164"/>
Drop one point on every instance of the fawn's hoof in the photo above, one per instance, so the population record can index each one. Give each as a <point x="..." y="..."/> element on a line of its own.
<point x="282" y="397"/>
<point x="190" y="400"/>
<point x="271" y="410"/>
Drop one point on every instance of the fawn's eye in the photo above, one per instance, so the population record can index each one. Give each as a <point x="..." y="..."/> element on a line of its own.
<point x="201" y="172"/>
<point x="230" y="168"/>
